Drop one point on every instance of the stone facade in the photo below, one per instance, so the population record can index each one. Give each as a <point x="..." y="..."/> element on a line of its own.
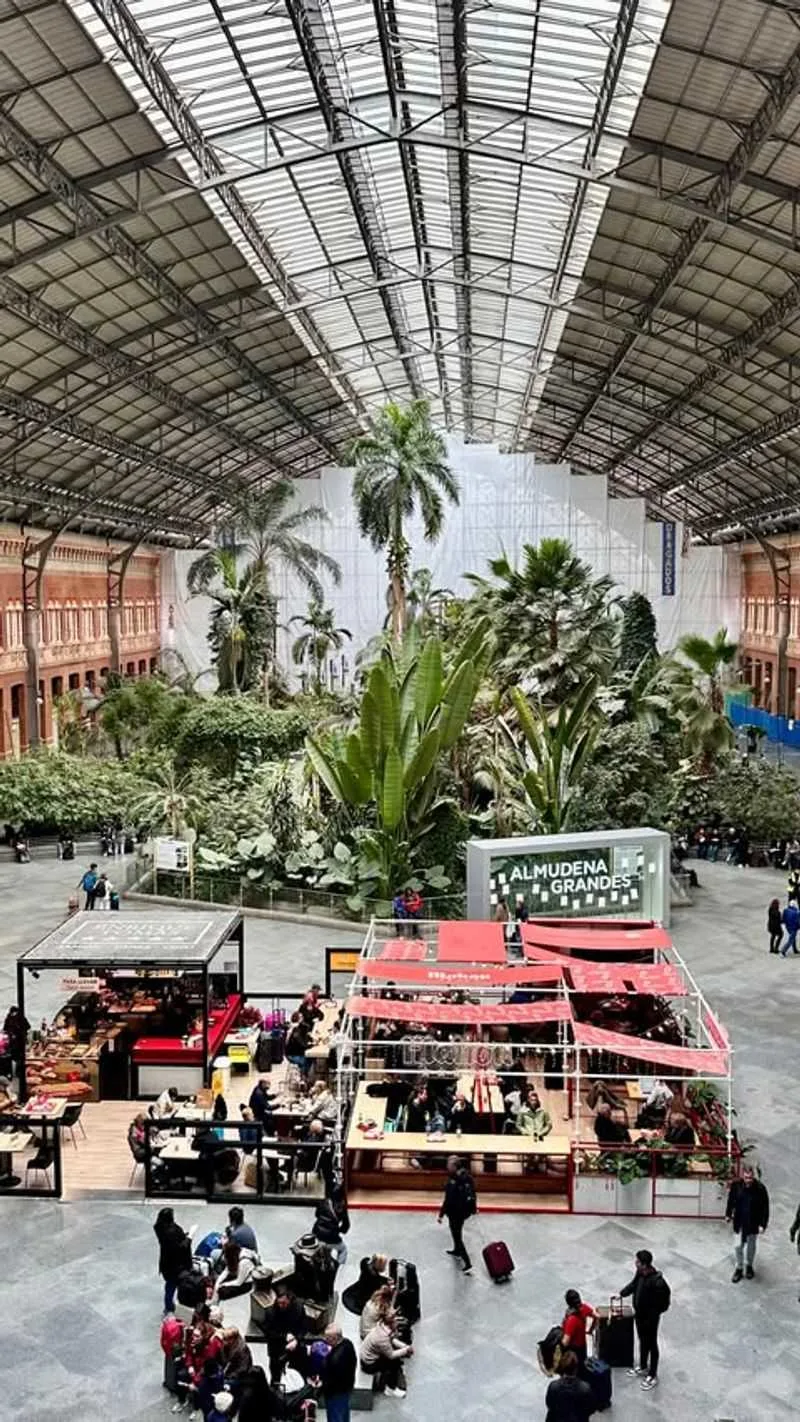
<point x="74" y="643"/>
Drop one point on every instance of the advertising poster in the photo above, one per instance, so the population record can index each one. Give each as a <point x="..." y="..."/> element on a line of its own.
<point x="570" y="883"/>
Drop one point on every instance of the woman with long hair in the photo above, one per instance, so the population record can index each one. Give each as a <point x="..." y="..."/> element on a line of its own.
<point x="174" y="1253"/>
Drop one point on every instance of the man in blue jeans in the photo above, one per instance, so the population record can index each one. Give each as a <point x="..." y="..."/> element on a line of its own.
<point x="338" y="1375"/>
<point x="791" y="922"/>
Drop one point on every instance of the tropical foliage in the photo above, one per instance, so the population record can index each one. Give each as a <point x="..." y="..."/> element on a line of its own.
<point x="558" y="746"/>
<point x="242" y="623"/>
<point x="400" y="469"/>
<point x="227" y="736"/>
<point x="552" y="621"/>
<point x="319" y="638"/>
<point x="390" y="763"/>
<point x="637" y="639"/>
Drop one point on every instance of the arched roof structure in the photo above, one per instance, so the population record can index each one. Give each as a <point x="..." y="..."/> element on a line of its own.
<point x="228" y="231"/>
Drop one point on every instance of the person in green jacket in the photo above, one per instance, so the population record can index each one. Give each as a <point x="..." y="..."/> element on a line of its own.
<point x="532" y="1119"/>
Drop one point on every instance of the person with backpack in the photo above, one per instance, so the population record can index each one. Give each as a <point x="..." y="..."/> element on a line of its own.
<point x="748" y="1211"/>
<point x="791" y="922"/>
<point x="102" y="893"/>
<point x="651" y="1297"/>
<point x="459" y="1204"/>
<point x="88" y="883"/>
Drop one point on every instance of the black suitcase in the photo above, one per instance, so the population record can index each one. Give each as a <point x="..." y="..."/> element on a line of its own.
<point x="598" y="1376"/>
<point x="277" y="1044"/>
<point x="615" y="1342"/>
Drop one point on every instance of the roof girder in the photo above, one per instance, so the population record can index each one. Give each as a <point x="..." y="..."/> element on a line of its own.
<point x="781" y="90"/>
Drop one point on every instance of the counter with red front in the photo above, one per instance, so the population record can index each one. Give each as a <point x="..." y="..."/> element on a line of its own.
<point x="170" y="1051"/>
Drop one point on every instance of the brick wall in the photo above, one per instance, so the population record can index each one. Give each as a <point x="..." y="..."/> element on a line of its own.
<point x="75" y="650"/>
<point x="759" y="624"/>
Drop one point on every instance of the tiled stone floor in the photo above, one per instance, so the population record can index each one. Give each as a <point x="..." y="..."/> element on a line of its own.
<point x="80" y="1298"/>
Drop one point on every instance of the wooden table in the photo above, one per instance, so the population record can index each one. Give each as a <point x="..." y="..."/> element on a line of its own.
<point x="634" y="1091"/>
<point x="11" y="1142"/>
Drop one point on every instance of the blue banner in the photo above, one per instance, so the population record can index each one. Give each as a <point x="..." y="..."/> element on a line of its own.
<point x="667" y="560"/>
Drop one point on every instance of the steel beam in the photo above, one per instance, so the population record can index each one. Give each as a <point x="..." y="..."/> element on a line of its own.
<point x="320" y="62"/>
<point x="72" y="506"/>
<point x="90" y="217"/>
<point x="608" y="87"/>
<point x="138" y="50"/>
<point x="780" y="92"/>
<point x="451" y="31"/>
<point x="89" y="436"/>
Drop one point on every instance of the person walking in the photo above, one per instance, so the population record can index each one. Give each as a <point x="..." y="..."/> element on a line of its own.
<point x="651" y="1298"/>
<point x="88" y="882"/>
<point x="338" y="1375"/>
<point x="791" y="922"/>
<point x="174" y="1253"/>
<point x="102" y="893"/>
<point x="748" y="1211"/>
<point x="774" y="925"/>
<point x="459" y="1204"/>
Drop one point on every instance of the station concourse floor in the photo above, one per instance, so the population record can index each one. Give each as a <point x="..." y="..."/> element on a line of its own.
<point x="81" y="1298"/>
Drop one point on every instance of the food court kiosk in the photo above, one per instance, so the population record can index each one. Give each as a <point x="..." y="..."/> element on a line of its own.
<point x="147" y="1002"/>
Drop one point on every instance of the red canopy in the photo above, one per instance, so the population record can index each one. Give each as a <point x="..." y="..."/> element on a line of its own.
<point x="471" y="941"/>
<point x="603" y="924"/>
<point x="697" y="1059"/>
<point x="454" y="976"/>
<point x="662" y="979"/>
<point x="466" y="1014"/>
<point x="404" y="950"/>
<point x="613" y="940"/>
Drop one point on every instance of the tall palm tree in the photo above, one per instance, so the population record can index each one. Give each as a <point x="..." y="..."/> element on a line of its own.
<point x="710" y="657"/>
<point x="401" y="465"/>
<point x="168" y="804"/>
<point x="267" y="534"/>
<point x="241" y="616"/>
<point x="552" y="619"/>
<point x="319" y="639"/>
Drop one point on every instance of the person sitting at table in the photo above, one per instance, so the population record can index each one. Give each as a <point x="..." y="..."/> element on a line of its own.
<point x="418" y="1110"/>
<point x="167" y="1103"/>
<point x="532" y="1119"/>
<point x="298" y="1041"/>
<point x="462" y="1116"/>
<point x="237" y="1271"/>
<point x="248" y="1130"/>
<point x="137" y="1132"/>
<point x="262" y="1102"/>
<point x="310" y="1010"/>
<point x="679" y="1130"/>
<point x="608" y="1129"/>
<point x="323" y="1106"/>
<point x="656" y="1105"/>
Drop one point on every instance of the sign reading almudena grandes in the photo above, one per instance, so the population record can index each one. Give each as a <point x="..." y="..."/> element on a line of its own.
<point x="620" y="873"/>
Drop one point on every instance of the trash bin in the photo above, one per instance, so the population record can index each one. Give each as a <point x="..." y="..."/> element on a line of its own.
<point x="221" y="1080"/>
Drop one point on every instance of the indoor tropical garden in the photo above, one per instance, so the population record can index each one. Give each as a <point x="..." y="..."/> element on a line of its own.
<point x="538" y="701"/>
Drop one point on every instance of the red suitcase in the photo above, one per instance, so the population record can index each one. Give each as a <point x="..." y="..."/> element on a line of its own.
<point x="498" y="1261"/>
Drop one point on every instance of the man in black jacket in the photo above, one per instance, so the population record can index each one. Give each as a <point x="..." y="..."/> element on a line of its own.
<point x="458" y="1205"/>
<point x="284" y="1319"/>
<point x="748" y="1209"/>
<point x="568" y="1397"/>
<point x="651" y="1298"/>
<point x="338" y="1375"/>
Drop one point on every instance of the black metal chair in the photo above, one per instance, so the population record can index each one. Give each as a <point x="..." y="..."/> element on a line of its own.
<point x="72" y="1118"/>
<point x="41" y="1162"/>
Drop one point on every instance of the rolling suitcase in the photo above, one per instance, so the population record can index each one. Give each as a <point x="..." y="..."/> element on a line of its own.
<point x="498" y="1261"/>
<point x="615" y="1334"/>
<point x="598" y="1375"/>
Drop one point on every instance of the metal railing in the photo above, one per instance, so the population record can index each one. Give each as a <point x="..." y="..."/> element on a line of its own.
<point x="231" y="890"/>
<point x="652" y="1178"/>
<point x="30" y="1156"/>
<point x="234" y="1162"/>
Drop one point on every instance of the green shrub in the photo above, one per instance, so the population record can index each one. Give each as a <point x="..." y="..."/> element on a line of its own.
<point x="224" y="732"/>
<point x="50" y="790"/>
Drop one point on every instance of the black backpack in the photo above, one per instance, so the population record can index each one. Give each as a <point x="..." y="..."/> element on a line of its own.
<point x="663" y="1293"/>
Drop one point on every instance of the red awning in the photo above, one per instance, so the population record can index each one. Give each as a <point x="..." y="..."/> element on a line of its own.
<point x="404" y="950"/>
<point x="661" y="979"/>
<point x="454" y="976"/>
<point x="614" y="940"/>
<point x="471" y="941"/>
<point x="604" y="925"/>
<point x="470" y="1014"/>
<point x="697" y="1059"/>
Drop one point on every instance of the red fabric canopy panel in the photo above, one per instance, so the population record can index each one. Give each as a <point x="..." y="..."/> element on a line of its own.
<point x="469" y="1014"/>
<point x="661" y="979"/>
<point x="605" y="940"/>
<point x="471" y="941"/>
<point x="697" y="1059"/>
<point x="404" y="950"/>
<point x="454" y="976"/>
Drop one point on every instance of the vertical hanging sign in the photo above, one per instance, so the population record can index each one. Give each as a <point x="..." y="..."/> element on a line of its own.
<point x="668" y="560"/>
